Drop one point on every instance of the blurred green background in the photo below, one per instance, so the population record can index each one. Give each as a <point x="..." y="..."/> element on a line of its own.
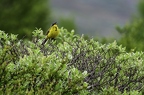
<point x="121" y="20"/>
<point x="22" y="17"/>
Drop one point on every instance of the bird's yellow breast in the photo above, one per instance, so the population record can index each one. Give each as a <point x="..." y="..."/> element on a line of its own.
<point x="53" y="31"/>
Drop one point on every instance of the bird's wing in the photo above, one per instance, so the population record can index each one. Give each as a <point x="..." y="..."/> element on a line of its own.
<point x="47" y="32"/>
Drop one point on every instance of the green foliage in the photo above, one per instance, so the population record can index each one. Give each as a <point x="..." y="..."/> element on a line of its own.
<point x="21" y="17"/>
<point x="25" y="70"/>
<point x="114" y="91"/>
<point x="68" y="65"/>
<point x="107" y="65"/>
<point x="133" y="33"/>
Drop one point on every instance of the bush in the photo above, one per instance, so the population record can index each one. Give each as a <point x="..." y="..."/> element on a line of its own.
<point x="108" y="65"/>
<point x="25" y="70"/>
<point x="68" y="65"/>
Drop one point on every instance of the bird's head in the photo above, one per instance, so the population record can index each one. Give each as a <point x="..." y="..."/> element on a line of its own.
<point x="55" y="23"/>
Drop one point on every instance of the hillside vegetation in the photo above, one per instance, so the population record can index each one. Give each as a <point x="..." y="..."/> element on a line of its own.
<point x="68" y="65"/>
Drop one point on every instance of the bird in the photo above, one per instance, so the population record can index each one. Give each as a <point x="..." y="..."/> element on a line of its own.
<point x="52" y="32"/>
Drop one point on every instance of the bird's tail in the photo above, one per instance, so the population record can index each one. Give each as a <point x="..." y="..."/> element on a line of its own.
<point x="44" y="41"/>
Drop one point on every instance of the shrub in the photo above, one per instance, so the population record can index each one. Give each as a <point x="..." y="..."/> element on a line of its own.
<point x="108" y="65"/>
<point x="25" y="70"/>
<point x="68" y="65"/>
